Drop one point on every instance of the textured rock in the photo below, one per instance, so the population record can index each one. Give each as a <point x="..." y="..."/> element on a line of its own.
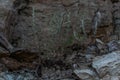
<point x="69" y="2"/>
<point x="17" y="76"/>
<point x="108" y="77"/>
<point x="7" y="20"/>
<point x="7" y="16"/>
<point x="116" y="17"/>
<point x="86" y="74"/>
<point x="113" y="45"/>
<point x="49" y="24"/>
<point x="115" y="78"/>
<point x="67" y="79"/>
<point x="108" y="64"/>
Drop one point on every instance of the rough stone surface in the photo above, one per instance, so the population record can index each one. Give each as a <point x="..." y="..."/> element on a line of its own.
<point x="116" y="16"/>
<point x="16" y="76"/>
<point x="51" y="24"/>
<point x="7" y="19"/>
<point x="7" y="15"/>
<point x="69" y="2"/>
<point x="48" y="25"/>
<point x="108" y="77"/>
<point x="85" y="74"/>
<point x="108" y="64"/>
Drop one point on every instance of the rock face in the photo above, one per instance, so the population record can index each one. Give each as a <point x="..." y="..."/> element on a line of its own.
<point x="116" y="16"/>
<point x="105" y="67"/>
<point x="7" y="16"/>
<point x="108" y="64"/>
<point x="86" y="74"/>
<point x="51" y="24"/>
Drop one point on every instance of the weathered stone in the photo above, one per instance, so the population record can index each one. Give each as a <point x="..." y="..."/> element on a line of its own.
<point x="67" y="79"/>
<point x="113" y="37"/>
<point x="17" y="76"/>
<point x="69" y="2"/>
<point x="85" y="74"/>
<point x="107" y="64"/>
<point x="108" y="77"/>
<point x="44" y="30"/>
<point x="116" y="17"/>
<point x="2" y="78"/>
<point x="7" y="21"/>
<point x="6" y="14"/>
<point x="115" y="78"/>
<point x="113" y="45"/>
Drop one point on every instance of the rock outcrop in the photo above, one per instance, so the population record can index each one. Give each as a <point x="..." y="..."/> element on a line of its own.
<point x="51" y="24"/>
<point x="106" y="67"/>
<point x="116" y="17"/>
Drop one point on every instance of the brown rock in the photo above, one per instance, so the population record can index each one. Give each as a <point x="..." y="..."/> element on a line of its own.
<point x="25" y="56"/>
<point x="11" y="64"/>
<point x="48" y="32"/>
